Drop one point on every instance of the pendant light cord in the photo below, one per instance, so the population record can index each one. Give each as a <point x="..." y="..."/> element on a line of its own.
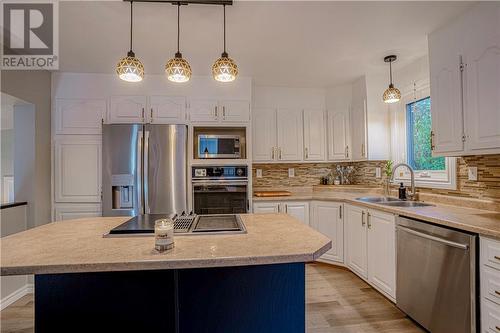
<point x="224" y="6"/>
<point x="131" y="23"/>
<point x="178" y="25"/>
<point x="390" y="70"/>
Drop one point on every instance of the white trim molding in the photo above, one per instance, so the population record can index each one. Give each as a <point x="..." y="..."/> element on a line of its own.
<point x="16" y="295"/>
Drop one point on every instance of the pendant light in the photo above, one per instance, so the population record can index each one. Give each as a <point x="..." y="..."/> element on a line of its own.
<point x="391" y="94"/>
<point x="130" y="68"/>
<point x="177" y="68"/>
<point x="224" y="69"/>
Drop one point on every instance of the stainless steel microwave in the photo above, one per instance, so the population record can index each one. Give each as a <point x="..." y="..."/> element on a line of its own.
<point x="219" y="146"/>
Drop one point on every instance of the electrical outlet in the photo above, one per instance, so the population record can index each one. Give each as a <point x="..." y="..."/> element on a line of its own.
<point x="472" y="171"/>
<point x="259" y="173"/>
<point x="291" y="172"/>
<point x="378" y="172"/>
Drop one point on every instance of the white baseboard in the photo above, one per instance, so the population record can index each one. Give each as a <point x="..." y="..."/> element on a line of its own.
<point x="9" y="299"/>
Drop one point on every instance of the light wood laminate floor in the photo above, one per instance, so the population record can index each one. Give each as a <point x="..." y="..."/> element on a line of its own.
<point x="337" y="301"/>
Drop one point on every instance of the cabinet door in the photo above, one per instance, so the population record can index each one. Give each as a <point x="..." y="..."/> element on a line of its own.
<point x="127" y="109"/>
<point x="314" y="135"/>
<point x="264" y="135"/>
<point x="482" y="102"/>
<point x="445" y="86"/>
<point x="289" y="129"/>
<point x="167" y="110"/>
<point x="338" y="134"/>
<point x="327" y="219"/>
<point x="355" y="237"/>
<point x="358" y="130"/>
<point x="79" y="116"/>
<point x="204" y="110"/>
<point x="235" y="111"/>
<point x="382" y="251"/>
<point x="266" y="207"/>
<point x="299" y="210"/>
<point x="63" y="212"/>
<point x="77" y="170"/>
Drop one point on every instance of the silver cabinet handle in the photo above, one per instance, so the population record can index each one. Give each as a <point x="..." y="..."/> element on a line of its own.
<point x="273" y="150"/>
<point x="223" y="112"/>
<point x="280" y="152"/>
<point x="142" y="115"/>
<point x="368" y="220"/>
<point x="433" y="238"/>
<point x="286" y="208"/>
<point x="347" y="151"/>
<point x="151" y="116"/>
<point x="306" y="152"/>
<point x="340" y="212"/>
<point x="363" y="150"/>
<point x="363" y="218"/>
<point x="216" y="112"/>
<point x="432" y="141"/>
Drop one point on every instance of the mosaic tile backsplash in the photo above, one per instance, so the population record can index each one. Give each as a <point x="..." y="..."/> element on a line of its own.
<point x="487" y="187"/>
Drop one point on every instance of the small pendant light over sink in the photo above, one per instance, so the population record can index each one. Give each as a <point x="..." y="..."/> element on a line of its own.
<point x="177" y="68"/>
<point x="224" y="69"/>
<point x="391" y="94"/>
<point x="130" y="68"/>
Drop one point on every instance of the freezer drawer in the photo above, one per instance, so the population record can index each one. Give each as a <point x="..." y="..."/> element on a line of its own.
<point x="436" y="276"/>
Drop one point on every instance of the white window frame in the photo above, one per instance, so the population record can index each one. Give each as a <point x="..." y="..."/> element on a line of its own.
<point x="446" y="179"/>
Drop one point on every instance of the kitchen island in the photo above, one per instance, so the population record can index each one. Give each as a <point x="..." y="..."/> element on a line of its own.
<point x="251" y="282"/>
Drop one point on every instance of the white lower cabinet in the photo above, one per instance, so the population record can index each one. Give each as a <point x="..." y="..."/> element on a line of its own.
<point x="489" y="275"/>
<point x="297" y="209"/>
<point x="63" y="212"/>
<point x="371" y="247"/>
<point x="327" y="218"/>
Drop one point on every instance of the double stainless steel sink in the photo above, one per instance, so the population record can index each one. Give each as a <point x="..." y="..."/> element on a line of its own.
<point x="393" y="202"/>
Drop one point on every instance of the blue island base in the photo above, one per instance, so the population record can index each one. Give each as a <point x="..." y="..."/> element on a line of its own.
<point x="246" y="299"/>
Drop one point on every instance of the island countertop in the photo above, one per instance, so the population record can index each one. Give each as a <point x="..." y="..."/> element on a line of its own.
<point x="79" y="246"/>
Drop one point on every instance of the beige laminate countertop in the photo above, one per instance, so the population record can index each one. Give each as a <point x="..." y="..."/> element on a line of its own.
<point x="483" y="222"/>
<point x="79" y="246"/>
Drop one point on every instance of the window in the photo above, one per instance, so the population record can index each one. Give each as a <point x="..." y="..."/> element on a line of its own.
<point x="411" y="131"/>
<point x="418" y="122"/>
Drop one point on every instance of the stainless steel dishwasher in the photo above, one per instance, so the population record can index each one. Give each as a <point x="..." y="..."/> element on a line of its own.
<point x="436" y="276"/>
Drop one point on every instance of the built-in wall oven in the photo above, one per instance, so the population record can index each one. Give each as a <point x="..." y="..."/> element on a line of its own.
<point x="220" y="189"/>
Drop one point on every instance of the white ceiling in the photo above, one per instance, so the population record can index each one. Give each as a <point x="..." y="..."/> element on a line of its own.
<point x="313" y="44"/>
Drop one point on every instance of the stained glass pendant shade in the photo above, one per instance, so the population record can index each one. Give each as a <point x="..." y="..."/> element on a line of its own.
<point x="177" y="68"/>
<point x="130" y="68"/>
<point x="224" y="69"/>
<point x="391" y="94"/>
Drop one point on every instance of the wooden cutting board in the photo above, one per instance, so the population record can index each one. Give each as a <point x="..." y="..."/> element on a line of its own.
<point x="272" y="193"/>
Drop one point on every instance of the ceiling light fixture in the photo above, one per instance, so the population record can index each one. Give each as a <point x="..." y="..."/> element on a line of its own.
<point x="130" y="68"/>
<point x="391" y="94"/>
<point x="224" y="69"/>
<point x="177" y="68"/>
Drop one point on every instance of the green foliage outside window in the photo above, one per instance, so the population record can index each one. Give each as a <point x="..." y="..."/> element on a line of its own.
<point x="419" y="133"/>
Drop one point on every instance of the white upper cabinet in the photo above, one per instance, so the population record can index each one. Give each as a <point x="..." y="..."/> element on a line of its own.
<point x="234" y="111"/>
<point x="79" y="116"/>
<point x="314" y="135"/>
<point x="77" y="170"/>
<point x="203" y="110"/>
<point x="289" y="124"/>
<point x="465" y="66"/>
<point x="327" y="218"/>
<point x="358" y="130"/>
<point x="446" y="104"/>
<point x="338" y="134"/>
<point x="167" y="110"/>
<point x="213" y="111"/>
<point x="127" y="109"/>
<point x="382" y="251"/>
<point x="264" y="135"/>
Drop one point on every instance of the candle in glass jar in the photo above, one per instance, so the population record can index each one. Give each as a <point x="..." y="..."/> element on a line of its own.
<point x="164" y="234"/>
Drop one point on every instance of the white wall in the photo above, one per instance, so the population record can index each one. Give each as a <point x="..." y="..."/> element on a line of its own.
<point x="34" y="87"/>
<point x="289" y="98"/>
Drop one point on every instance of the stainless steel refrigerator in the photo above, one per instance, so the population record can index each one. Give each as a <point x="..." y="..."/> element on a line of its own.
<point x="144" y="169"/>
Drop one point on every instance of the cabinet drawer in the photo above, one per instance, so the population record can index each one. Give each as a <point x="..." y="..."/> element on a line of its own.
<point x="490" y="322"/>
<point x="490" y="253"/>
<point x="490" y="284"/>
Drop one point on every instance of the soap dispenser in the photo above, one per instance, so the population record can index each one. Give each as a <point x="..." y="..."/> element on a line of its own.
<point x="402" y="192"/>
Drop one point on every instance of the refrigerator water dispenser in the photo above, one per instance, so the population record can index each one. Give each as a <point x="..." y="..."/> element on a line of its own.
<point x="122" y="191"/>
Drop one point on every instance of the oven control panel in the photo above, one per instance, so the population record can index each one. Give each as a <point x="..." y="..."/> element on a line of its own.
<point x="220" y="172"/>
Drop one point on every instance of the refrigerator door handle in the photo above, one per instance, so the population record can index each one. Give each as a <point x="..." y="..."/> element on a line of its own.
<point x="146" y="171"/>
<point x="139" y="173"/>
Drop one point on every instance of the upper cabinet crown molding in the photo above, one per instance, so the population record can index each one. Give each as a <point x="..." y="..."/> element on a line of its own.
<point x="79" y="116"/>
<point x="464" y="59"/>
